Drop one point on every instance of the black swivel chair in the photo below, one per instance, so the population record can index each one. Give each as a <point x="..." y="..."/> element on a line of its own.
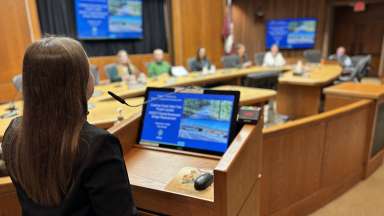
<point x="266" y="80"/>
<point x="259" y="58"/>
<point x="312" y="56"/>
<point x="359" y="70"/>
<point x="230" y="61"/>
<point x="111" y="72"/>
<point x="190" y="62"/>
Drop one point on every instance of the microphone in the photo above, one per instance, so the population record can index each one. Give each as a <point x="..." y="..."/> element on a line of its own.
<point x="121" y="100"/>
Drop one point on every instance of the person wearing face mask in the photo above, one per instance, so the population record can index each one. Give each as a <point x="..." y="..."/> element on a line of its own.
<point x="201" y="61"/>
<point x="159" y="66"/>
<point x="273" y="58"/>
<point x="341" y="57"/>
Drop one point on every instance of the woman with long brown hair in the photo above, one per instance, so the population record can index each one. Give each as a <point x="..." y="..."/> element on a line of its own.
<point x="58" y="162"/>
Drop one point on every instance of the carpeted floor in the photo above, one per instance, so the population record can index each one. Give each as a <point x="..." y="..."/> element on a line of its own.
<point x="365" y="199"/>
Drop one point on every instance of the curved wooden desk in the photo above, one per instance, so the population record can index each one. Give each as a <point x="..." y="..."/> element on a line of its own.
<point x="346" y="93"/>
<point x="9" y="204"/>
<point x="192" y="79"/>
<point x="250" y="96"/>
<point x="305" y="164"/>
<point x="300" y="96"/>
<point x="309" y="162"/>
<point x="104" y="113"/>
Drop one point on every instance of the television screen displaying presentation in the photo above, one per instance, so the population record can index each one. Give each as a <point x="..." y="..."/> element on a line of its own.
<point x="202" y="122"/>
<point x="299" y="33"/>
<point x="109" y="19"/>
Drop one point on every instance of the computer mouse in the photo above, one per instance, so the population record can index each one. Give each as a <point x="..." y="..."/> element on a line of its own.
<point x="203" y="181"/>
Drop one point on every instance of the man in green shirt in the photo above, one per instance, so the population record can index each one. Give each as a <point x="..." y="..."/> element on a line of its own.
<point x="159" y="66"/>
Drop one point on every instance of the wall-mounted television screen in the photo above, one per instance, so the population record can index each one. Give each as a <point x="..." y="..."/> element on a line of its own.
<point x="109" y="19"/>
<point x="298" y="33"/>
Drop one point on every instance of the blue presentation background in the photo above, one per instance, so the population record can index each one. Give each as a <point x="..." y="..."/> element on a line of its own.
<point x="280" y="37"/>
<point x="170" y="134"/>
<point x="85" y="20"/>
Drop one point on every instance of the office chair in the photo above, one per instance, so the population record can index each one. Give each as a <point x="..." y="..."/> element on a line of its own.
<point x="230" y="61"/>
<point x="95" y="72"/>
<point x="190" y="62"/>
<point x="358" y="71"/>
<point x="355" y="59"/>
<point x="312" y="56"/>
<point x="365" y="67"/>
<point x="111" y="72"/>
<point x="266" y="80"/>
<point x="18" y="82"/>
<point x="259" y="58"/>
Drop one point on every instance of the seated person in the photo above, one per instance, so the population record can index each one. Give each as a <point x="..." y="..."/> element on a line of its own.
<point x="126" y="70"/>
<point x="124" y="65"/>
<point x="242" y="61"/>
<point x="273" y="58"/>
<point x="201" y="61"/>
<point x="123" y="69"/>
<point x="341" y="57"/>
<point x="159" y="66"/>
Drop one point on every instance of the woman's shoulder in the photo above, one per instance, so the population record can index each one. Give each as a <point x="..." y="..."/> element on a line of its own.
<point x="95" y="139"/>
<point x="96" y="146"/>
<point x="96" y="136"/>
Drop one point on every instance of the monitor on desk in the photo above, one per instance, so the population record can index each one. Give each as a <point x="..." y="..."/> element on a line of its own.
<point x="201" y="121"/>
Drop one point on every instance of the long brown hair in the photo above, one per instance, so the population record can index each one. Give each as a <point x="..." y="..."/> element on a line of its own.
<point x="55" y="78"/>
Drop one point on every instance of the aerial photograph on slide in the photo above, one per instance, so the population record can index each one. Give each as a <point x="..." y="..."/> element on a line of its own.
<point x="125" y="16"/>
<point x="206" y="120"/>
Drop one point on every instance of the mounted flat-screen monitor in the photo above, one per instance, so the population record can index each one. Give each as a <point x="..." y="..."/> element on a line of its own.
<point x="298" y="33"/>
<point x="109" y="19"/>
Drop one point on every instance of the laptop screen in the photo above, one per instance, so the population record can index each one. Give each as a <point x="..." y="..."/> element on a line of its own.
<point x="191" y="121"/>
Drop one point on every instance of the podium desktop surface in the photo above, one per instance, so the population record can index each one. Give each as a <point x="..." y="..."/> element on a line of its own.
<point x="236" y="184"/>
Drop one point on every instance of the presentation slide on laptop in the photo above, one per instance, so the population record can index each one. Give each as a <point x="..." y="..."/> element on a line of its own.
<point x="194" y="121"/>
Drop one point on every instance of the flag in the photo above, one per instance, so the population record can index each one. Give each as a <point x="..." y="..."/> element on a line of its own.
<point x="228" y="29"/>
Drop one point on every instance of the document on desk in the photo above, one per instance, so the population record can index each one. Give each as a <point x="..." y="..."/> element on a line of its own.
<point x="183" y="183"/>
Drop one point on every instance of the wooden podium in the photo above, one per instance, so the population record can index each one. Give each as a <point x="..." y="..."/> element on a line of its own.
<point x="236" y="188"/>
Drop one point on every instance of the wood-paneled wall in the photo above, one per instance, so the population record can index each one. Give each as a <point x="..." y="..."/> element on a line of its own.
<point x="250" y="28"/>
<point x="354" y="31"/>
<point x="15" y="31"/>
<point x="197" y="23"/>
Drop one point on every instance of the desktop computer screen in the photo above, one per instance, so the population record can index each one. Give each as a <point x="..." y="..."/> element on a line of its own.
<point x="202" y="122"/>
